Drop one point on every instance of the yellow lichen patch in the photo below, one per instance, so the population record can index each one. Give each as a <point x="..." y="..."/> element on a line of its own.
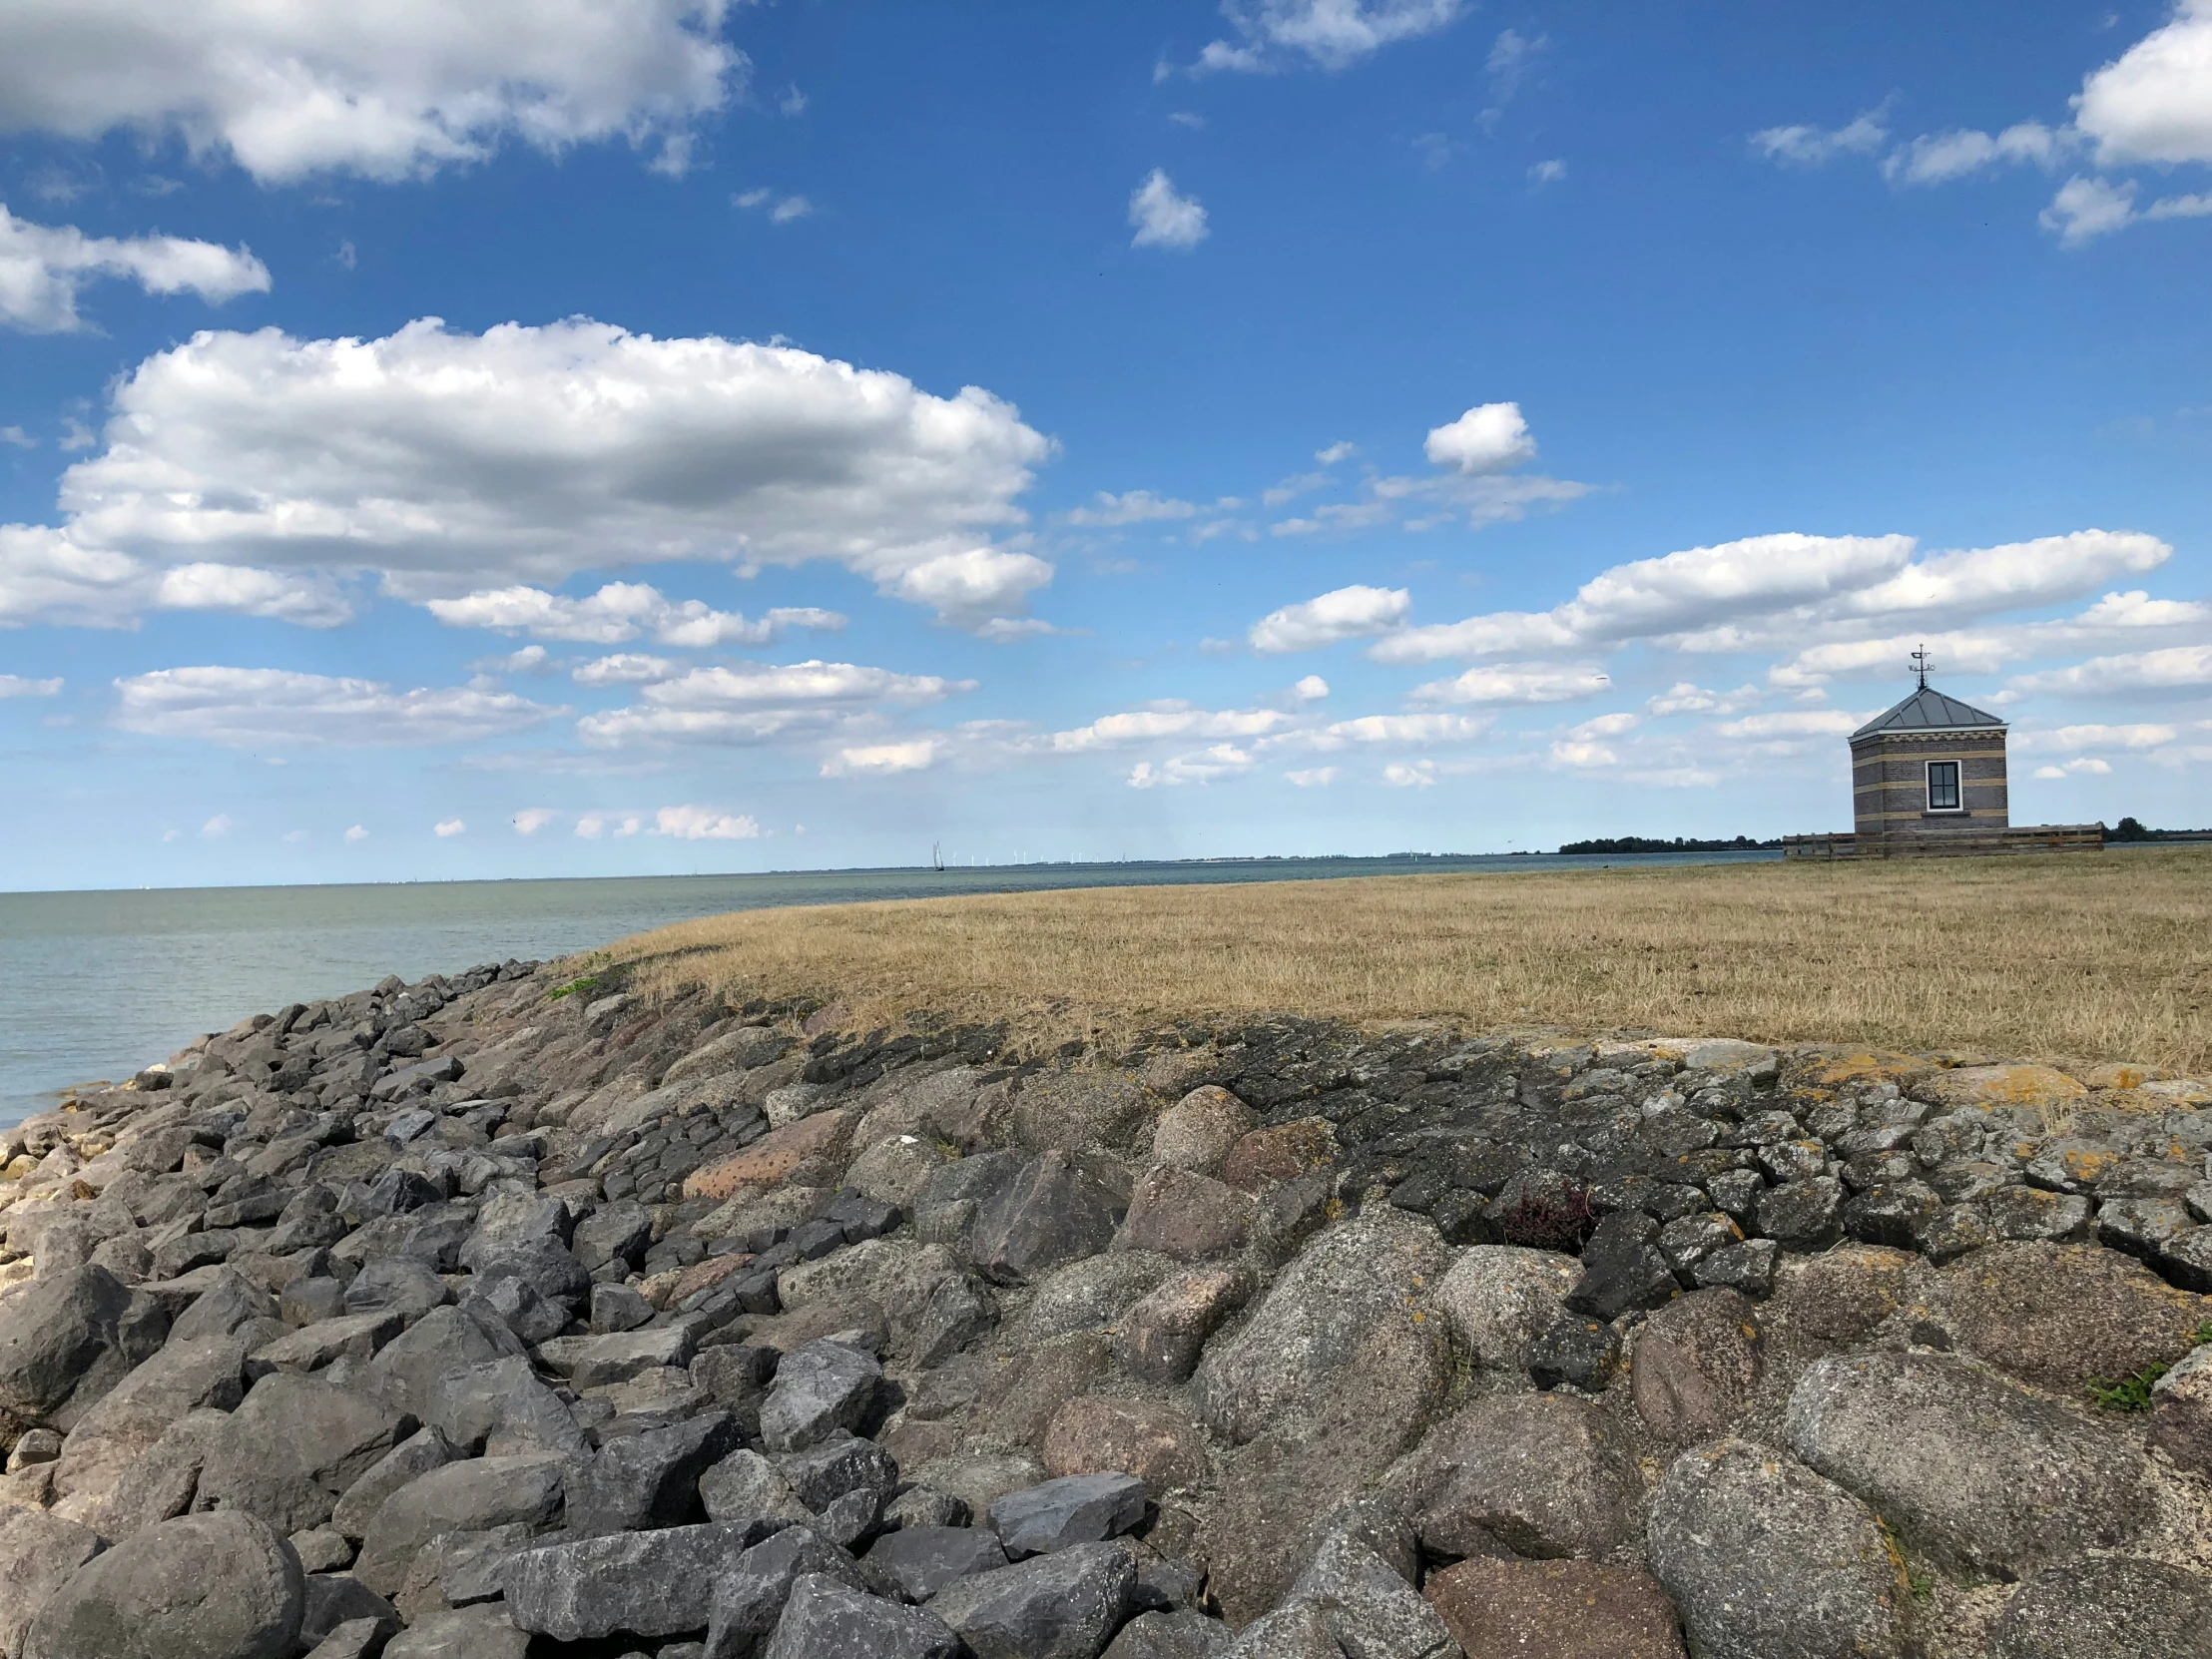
<point x="2042" y="1087"/>
<point x="1864" y="1065"/>
<point x="2084" y="1165"/>
<point x="2119" y="1074"/>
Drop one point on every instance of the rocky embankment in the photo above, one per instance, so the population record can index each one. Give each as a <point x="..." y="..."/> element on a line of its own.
<point x="493" y="1315"/>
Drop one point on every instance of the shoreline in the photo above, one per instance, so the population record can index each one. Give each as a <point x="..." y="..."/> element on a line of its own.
<point x="610" y="1295"/>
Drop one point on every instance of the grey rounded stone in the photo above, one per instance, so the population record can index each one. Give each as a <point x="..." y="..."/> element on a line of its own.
<point x="220" y="1586"/>
<point x="1767" y="1559"/>
<point x="1543" y="1474"/>
<point x="2116" y="1608"/>
<point x="1980" y="1474"/>
<point x="1335" y="1348"/>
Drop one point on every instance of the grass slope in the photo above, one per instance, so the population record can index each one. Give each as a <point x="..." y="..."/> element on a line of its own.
<point x="2075" y="956"/>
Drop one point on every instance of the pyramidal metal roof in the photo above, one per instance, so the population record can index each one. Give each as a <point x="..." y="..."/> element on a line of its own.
<point x="1928" y="709"/>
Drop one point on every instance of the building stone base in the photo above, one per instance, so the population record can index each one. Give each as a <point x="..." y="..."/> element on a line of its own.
<point x="1950" y="843"/>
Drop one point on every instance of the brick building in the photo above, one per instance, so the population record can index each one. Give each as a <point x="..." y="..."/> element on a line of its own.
<point x="1931" y="766"/>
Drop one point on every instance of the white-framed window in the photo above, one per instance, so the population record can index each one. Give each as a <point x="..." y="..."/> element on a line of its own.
<point x="1942" y="786"/>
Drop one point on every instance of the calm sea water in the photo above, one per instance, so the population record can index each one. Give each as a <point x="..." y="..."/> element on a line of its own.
<point x="98" y="984"/>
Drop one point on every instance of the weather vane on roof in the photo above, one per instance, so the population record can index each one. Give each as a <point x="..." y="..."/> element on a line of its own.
<point x="1920" y="666"/>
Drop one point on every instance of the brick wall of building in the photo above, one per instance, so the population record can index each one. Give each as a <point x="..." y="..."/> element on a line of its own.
<point x="1888" y="783"/>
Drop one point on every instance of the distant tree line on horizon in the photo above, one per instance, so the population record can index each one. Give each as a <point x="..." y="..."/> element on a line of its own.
<point x="2134" y="829"/>
<point x="2127" y="829"/>
<point x="1680" y="844"/>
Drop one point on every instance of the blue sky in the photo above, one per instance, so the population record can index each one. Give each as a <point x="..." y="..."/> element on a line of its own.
<point x="613" y="436"/>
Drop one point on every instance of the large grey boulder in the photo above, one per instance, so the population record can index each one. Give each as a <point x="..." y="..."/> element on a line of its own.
<point x="614" y="1232"/>
<point x="514" y="1220"/>
<point x="1768" y="1560"/>
<point x="335" y="1599"/>
<point x="598" y="1362"/>
<point x="469" y="1496"/>
<point x="749" y="1596"/>
<point x="1975" y="1470"/>
<point x="1093" y="1291"/>
<point x="199" y="1587"/>
<point x="38" y="1554"/>
<point x="501" y="1407"/>
<point x="418" y="1455"/>
<point x="403" y="1285"/>
<point x="2113" y="1608"/>
<point x="821" y="1389"/>
<point x="481" y="1632"/>
<point x="288" y="1453"/>
<point x="312" y="1347"/>
<point x="1053" y="1212"/>
<point x="545" y="1265"/>
<point x="1178" y="1635"/>
<point x="652" y="1584"/>
<point x="1375" y="1614"/>
<point x="821" y="1474"/>
<point x="1299" y="1631"/>
<point x="1696" y="1362"/>
<point x="1500" y="1297"/>
<point x="126" y="1421"/>
<point x="231" y="1301"/>
<point x="66" y="1340"/>
<point x="1061" y="1606"/>
<point x="1335" y="1348"/>
<point x="745" y="1486"/>
<point x="924" y="1559"/>
<point x="410" y="1370"/>
<point x="648" y="1478"/>
<point x="156" y="1485"/>
<point x="828" y="1620"/>
<point x="931" y="1302"/>
<point x="1543" y="1474"/>
<point x="1075" y="1509"/>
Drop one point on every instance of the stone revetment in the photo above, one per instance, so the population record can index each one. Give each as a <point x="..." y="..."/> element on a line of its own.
<point x="512" y="1313"/>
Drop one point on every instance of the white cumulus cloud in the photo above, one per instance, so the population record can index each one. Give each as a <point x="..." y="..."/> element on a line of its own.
<point x="2182" y="670"/>
<point x="621" y="611"/>
<point x="1769" y="589"/>
<point x="1355" y="612"/>
<point x="397" y="89"/>
<point x="1490" y="438"/>
<point x="705" y="823"/>
<point x="1509" y="682"/>
<point x="447" y="829"/>
<point x="2154" y="103"/>
<point x="1171" y="721"/>
<point x="1332" y="34"/>
<point x="251" y="708"/>
<point x="756" y="703"/>
<point x="624" y="668"/>
<point x="42" y="267"/>
<point x="1805" y="146"/>
<point x="2085" y="209"/>
<point x="883" y="758"/>
<point x="1164" y="218"/>
<point x="15" y="685"/>
<point x="460" y="465"/>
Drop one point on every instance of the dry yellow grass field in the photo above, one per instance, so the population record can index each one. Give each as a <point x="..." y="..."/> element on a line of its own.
<point x="2068" y="956"/>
